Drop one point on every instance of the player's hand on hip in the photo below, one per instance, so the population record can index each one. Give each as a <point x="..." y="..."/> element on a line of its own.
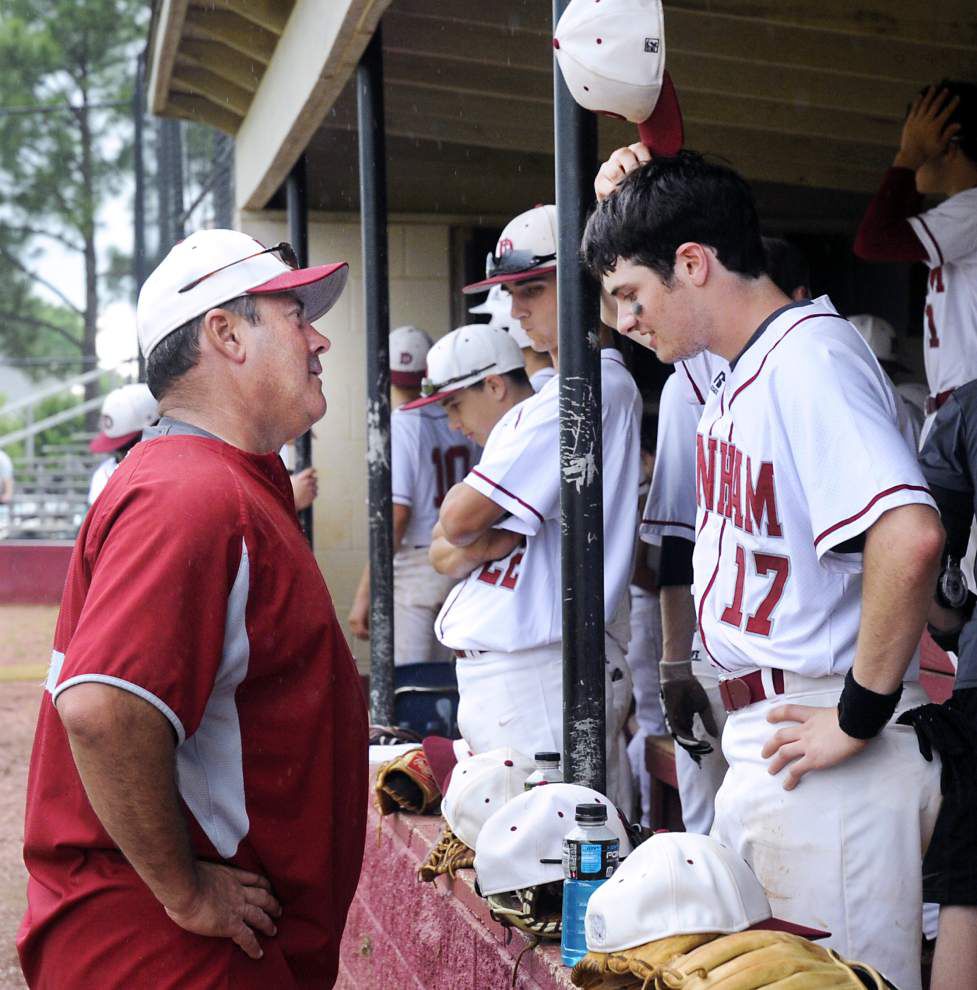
<point x="230" y="903"/>
<point x="621" y="163"/>
<point x="816" y="742"/>
<point x="927" y="131"/>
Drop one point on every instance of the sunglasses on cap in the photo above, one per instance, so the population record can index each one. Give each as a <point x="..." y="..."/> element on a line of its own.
<point x="429" y="387"/>
<point x="283" y="250"/>
<point x="514" y="262"/>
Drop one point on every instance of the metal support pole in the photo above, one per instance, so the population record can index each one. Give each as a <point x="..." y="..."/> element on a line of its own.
<point x="581" y="495"/>
<point x="376" y="291"/>
<point x="297" y="203"/>
<point x="139" y="199"/>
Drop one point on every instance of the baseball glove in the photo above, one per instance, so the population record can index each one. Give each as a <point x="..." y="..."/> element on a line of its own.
<point x="635" y="967"/>
<point x="750" y="960"/>
<point x="407" y="784"/>
<point x="391" y="735"/>
<point x="450" y="854"/>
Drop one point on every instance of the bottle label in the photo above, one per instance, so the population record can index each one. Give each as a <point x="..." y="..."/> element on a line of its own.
<point x="590" y="857"/>
<point x="590" y="860"/>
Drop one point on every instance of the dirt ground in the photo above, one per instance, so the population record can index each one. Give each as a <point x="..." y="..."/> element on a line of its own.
<point x="26" y="633"/>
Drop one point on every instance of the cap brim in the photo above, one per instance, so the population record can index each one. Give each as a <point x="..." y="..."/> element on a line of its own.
<point x="104" y="444"/>
<point x="407" y="379"/>
<point x="426" y="400"/>
<point x="319" y="288"/>
<point x="440" y="753"/>
<point x="663" y="133"/>
<point x="779" y="925"/>
<point x="487" y="283"/>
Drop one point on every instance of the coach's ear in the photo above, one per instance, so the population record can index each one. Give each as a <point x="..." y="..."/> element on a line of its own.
<point x="693" y="262"/>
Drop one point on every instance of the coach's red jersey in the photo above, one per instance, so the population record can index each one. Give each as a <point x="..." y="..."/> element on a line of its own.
<point x="192" y="586"/>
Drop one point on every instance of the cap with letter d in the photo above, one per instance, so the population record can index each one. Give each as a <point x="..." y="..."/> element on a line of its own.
<point x="464" y="357"/>
<point x="126" y="412"/>
<point x="526" y="249"/>
<point x="499" y="309"/>
<point x="612" y="56"/>
<point x="408" y="356"/>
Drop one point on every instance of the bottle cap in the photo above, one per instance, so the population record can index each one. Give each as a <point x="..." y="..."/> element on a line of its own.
<point x="591" y="814"/>
<point x="546" y="757"/>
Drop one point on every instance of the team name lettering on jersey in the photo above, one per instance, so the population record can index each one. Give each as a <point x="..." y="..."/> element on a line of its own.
<point x="726" y="484"/>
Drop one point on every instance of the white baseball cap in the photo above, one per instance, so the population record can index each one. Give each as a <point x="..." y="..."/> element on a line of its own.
<point x="408" y="356"/>
<point x="526" y="248"/>
<point x="499" y="307"/>
<point x="212" y="267"/>
<point x="679" y="883"/>
<point x="612" y="56"/>
<point x="481" y="785"/>
<point x="521" y="845"/>
<point x="126" y="411"/>
<point x="464" y="357"/>
<point x="879" y="334"/>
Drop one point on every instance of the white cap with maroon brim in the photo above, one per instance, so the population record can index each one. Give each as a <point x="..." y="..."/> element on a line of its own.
<point x="679" y="883"/>
<point x="525" y="250"/>
<point x="612" y="56"/>
<point x="499" y="307"/>
<point x="479" y="786"/>
<point x="408" y="356"/>
<point x="126" y="412"/>
<point x="521" y="845"/>
<point x="211" y="267"/>
<point x="463" y="358"/>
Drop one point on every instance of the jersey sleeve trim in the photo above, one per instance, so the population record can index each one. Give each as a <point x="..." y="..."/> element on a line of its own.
<point x="842" y="524"/>
<point x="937" y="253"/>
<point x="135" y="689"/>
<point x="667" y="522"/>
<point x="509" y="495"/>
<point x="402" y="500"/>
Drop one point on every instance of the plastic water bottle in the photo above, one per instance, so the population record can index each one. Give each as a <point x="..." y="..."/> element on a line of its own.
<point x="547" y="771"/>
<point x="590" y="855"/>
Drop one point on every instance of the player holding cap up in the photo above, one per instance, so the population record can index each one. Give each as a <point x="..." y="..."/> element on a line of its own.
<point x="427" y="458"/>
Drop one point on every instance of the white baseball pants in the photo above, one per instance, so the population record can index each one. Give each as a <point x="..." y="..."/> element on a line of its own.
<point x="419" y="593"/>
<point x="843" y="851"/>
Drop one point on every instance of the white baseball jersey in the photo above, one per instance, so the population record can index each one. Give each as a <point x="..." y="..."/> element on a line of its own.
<point x="948" y="233"/>
<point x="427" y="458"/>
<point x="798" y="452"/>
<point x="515" y="603"/>
<point x="670" y="507"/>
<point x="100" y="478"/>
<point x="541" y="377"/>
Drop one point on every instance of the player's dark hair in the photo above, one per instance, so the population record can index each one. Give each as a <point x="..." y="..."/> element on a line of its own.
<point x="965" y="114"/>
<point x="178" y="352"/>
<point x="786" y="265"/>
<point x="517" y="378"/>
<point x="667" y="202"/>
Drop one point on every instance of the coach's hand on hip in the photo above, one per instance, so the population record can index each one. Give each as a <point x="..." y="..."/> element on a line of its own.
<point x="621" y="162"/>
<point x="815" y="742"/>
<point x="229" y="903"/>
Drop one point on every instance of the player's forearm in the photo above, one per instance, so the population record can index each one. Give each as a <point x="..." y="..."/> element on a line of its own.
<point x="459" y="562"/>
<point x="135" y="799"/>
<point x="678" y="621"/>
<point x="885" y="233"/>
<point x="902" y="558"/>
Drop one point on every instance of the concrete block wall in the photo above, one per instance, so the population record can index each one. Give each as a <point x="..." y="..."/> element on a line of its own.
<point x="419" y="294"/>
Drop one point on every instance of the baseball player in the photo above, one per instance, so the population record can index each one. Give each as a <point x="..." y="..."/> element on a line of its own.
<point x="125" y="412"/>
<point x="816" y="548"/>
<point x="937" y="156"/>
<point x="505" y="620"/>
<point x="427" y="458"/>
<point x="539" y="365"/>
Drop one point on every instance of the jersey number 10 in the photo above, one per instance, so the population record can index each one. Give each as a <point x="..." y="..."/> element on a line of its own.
<point x="450" y="467"/>
<point x="760" y="622"/>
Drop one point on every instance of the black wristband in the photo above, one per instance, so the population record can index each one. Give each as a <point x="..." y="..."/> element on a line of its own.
<point x="862" y="713"/>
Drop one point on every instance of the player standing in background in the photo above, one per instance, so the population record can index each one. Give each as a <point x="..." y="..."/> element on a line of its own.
<point x="516" y="486"/>
<point x="937" y="156"/>
<point x="125" y="412"/>
<point x="539" y="365"/>
<point x="816" y="551"/>
<point x="428" y="457"/>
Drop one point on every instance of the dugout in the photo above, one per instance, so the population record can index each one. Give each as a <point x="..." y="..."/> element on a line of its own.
<point x="805" y="100"/>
